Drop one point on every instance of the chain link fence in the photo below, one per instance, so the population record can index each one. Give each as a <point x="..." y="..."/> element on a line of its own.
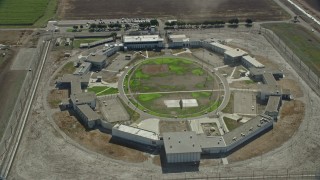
<point x="305" y="72"/>
<point x="14" y="122"/>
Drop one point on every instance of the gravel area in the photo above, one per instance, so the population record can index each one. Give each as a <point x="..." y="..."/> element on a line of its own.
<point x="46" y="152"/>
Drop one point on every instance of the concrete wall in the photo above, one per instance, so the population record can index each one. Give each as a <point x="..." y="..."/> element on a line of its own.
<point x="144" y="46"/>
<point x="183" y="157"/>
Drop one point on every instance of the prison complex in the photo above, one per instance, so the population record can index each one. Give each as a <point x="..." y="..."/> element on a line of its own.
<point x="179" y="146"/>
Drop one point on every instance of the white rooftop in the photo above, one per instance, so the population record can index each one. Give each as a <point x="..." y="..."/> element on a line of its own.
<point x="235" y="52"/>
<point x="177" y="36"/>
<point x="137" y="131"/>
<point x="253" y="61"/>
<point x="146" y="38"/>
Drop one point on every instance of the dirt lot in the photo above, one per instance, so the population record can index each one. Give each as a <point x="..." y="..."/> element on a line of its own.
<point x="155" y="68"/>
<point x="173" y="126"/>
<point x="13" y="37"/>
<point x="96" y="140"/>
<point x="56" y="96"/>
<point x="291" y="116"/>
<point x="292" y="85"/>
<point x="192" y="10"/>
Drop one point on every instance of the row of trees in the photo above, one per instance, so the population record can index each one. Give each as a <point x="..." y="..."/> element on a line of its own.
<point x="234" y="21"/>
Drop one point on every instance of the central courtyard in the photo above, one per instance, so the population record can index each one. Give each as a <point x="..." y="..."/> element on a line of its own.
<point x="173" y="87"/>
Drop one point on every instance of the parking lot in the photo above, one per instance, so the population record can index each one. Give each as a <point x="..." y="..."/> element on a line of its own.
<point x="245" y="103"/>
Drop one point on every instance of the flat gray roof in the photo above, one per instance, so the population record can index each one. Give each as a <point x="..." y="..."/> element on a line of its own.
<point x="210" y="141"/>
<point x="246" y="128"/>
<point x="82" y="98"/>
<point x="142" y="39"/>
<point x="271" y="89"/>
<point x="88" y="112"/>
<point x="273" y="104"/>
<point x="260" y="71"/>
<point x="181" y="142"/>
<point x="96" y="58"/>
<point x="75" y="81"/>
<point x="269" y="79"/>
<point x="235" y="53"/>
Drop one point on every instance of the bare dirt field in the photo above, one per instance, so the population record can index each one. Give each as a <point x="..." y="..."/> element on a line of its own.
<point x="173" y="126"/>
<point x="56" y="96"/>
<point x="96" y="140"/>
<point x="191" y="10"/>
<point x="292" y="85"/>
<point x="291" y="116"/>
<point x="13" y="37"/>
<point x="155" y="68"/>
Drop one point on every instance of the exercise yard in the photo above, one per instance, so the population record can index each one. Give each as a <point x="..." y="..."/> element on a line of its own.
<point x="173" y="87"/>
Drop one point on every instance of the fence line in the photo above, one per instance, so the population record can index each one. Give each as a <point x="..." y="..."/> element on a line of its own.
<point x="305" y="72"/>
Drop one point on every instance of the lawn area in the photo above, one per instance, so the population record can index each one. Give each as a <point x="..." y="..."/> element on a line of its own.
<point x="231" y="124"/>
<point x="67" y="69"/>
<point x="198" y="72"/>
<point x="301" y="41"/>
<point x="103" y="90"/>
<point x="26" y="12"/>
<point x="200" y="94"/>
<point x="249" y="81"/>
<point x="77" y="42"/>
<point x="140" y="75"/>
<point x="148" y="97"/>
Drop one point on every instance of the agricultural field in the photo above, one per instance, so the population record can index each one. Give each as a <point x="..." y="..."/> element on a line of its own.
<point x="155" y="82"/>
<point x="188" y="10"/>
<point x="26" y="12"/>
<point x="301" y="41"/>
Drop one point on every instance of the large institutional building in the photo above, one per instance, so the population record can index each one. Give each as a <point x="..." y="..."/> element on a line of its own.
<point x="179" y="146"/>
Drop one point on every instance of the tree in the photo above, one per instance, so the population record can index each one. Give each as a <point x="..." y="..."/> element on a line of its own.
<point x="249" y="21"/>
<point x="114" y="35"/>
<point x="154" y="22"/>
<point x="93" y="25"/>
<point x="75" y="27"/>
<point x="81" y="26"/>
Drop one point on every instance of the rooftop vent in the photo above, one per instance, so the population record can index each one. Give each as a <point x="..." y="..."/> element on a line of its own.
<point x="234" y="138"/>
<point x="170" y="146"/>
<point x="192" y="145"/>
<point x="190" y="137"/>
<point x="179" y="141"/>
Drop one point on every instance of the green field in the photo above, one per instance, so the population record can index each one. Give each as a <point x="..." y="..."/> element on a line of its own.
<point x="26" y="12"/>
<point x="77" y="42"/>
<point x="66" y="69"/>
<point x="301" y="41"/>
<point x="103" y="90"/>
